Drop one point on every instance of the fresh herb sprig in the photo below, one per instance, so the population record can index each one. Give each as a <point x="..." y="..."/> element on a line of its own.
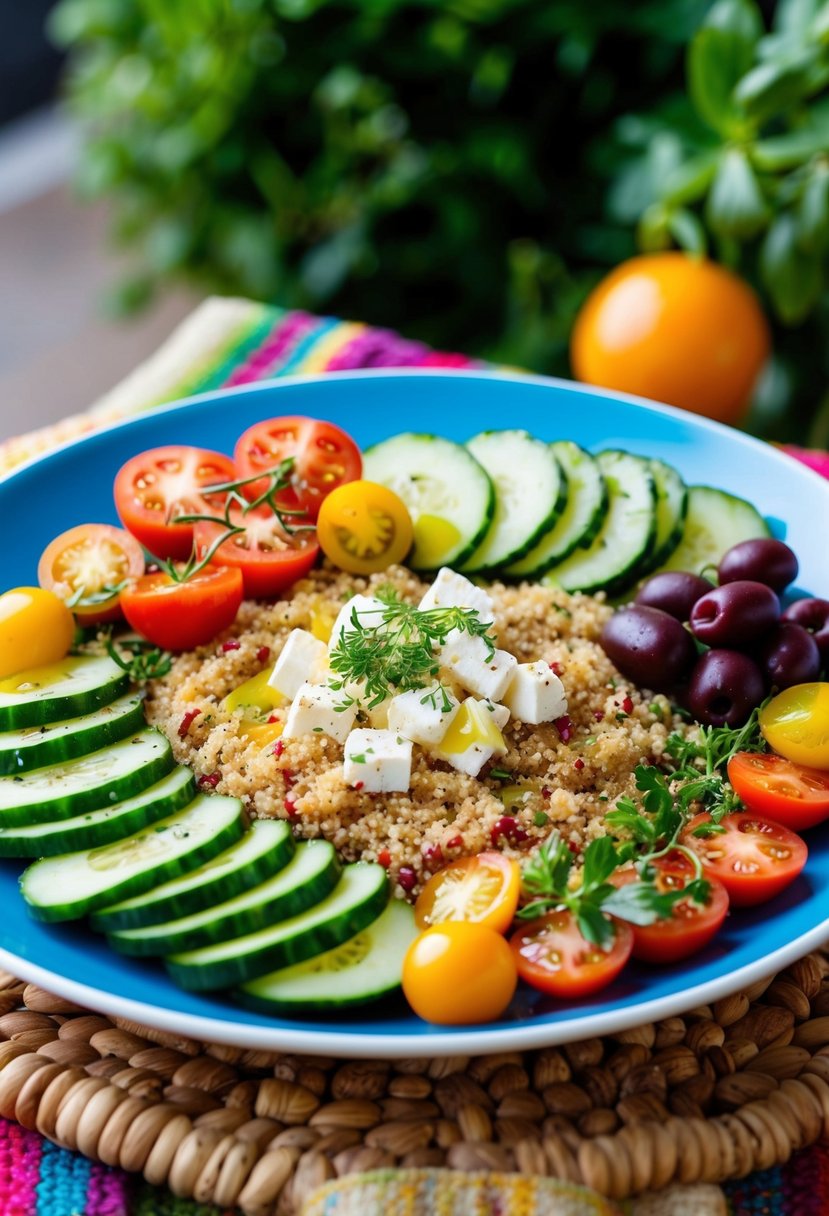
<point x="139" y="659"/>
<point x="80" y="598"/>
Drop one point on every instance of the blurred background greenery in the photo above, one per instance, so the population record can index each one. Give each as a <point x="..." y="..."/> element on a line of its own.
<point x="466" y="170"/>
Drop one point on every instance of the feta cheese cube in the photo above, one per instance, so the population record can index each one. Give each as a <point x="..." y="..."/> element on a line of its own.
<point x="368" y="610"/>
<point x="470" y="662"/>
<point x="451" y="590"/>
<point x="423" y="714"/>
<point x="474" y="736"/>
<point x="535" y="694"/>
<point x="317" y="709"/>
<point x="299" y="659"/>
<point x="379" y="761"/>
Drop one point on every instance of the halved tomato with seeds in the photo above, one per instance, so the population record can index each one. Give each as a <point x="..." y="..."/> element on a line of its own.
<point x="324" y="458"/>
<point x="552" y="955"/>
<point x="269" y="558"/>
<point x="791" y="794"/>
<point x="482" y="889"/>
<point x="88" y="567"/>
<point x="753" y="858"/>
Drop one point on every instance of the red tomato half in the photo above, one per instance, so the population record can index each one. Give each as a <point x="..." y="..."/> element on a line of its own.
<point x="86" y="566"/>
<point x="153" y="488"/>
<point x="789" y="793"/>
<point x="690" y="926"/>
<point x="753" y="858"/>
<point x="552" y="955"/>
<point x="325" y="457"/>
<point x="179" y="616"/>
<point x="269" y="559"/>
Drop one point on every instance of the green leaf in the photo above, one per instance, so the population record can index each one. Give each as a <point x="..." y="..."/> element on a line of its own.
<point x="600" y="861"/>
<point x="740" y="17"/>
<point x="736" y="207"/>
<point x="652" y="232"/>
<point x="627" y="816"/>
<point x="774" y="87"/>
<point x="793" y="278"/>
<point x="717" y="60"/>
<point x="813" y="213"/>
<point x="688" y="232"/>
<point x="690" y="180"/>
<point x="790" y="150"/>
<point x="594" y="926"/>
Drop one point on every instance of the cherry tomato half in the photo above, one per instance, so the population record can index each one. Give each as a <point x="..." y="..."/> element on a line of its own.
<point x="482" y="889"/>
<point x="364" y="527"/>
<point x="270" y="560"/>
<point x="458" y="973"/>
<point x="795" y="723"/>
<point x="324" y="457"/>
<point x="788" y="793"/>
<point x="154" y="487"/>
<point x="84" y="565"/>
<point x="552" y="955"/>
<point x="179" y="616"/>
<point x="754" y="859"/>
<point x="690" y="925"/>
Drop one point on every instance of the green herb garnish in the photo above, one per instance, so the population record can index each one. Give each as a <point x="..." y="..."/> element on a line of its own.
<point x="140" y="659"/>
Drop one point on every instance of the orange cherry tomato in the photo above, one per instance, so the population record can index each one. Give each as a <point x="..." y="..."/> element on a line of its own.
<point x="690" y="925"/>
<point x="458" y="973"/>
<point x="88" y="566"/>
<point x="674" y="328"/>
<point x="324" y="458"/>
<point x="364" y="527"/>
<point x="179" y="616"/>
<point x="270" y="560"/>
<point x="791" y="794"/>
<point x="482" y="889"/>
<point x="795" y="723"/>
<point x="552" y="955"/>
<point x="754" y="859"/>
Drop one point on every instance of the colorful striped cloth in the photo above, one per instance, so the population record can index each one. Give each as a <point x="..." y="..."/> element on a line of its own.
<point x="224" y="343"/>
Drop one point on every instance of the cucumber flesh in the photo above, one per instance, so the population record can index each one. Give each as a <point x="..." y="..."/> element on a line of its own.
<point x="87" y="783"/>
<point x="530" y="492"/>
<point x="671" y="512"/>
<point x="583" y="513"/>
<point x="449" y="496"/>
<point x="714" y="523"/>
<point x="366" y="968"/>
<point x="35" y="746"/>
<point x="262" y="852"/>
<point x="74" y="884"/>
<point x="610" y="562"/>
<point x="95" y="828"/>
<point x="309" y="877"/>
<point x="358" y="899"/>
<point x="78" y="684"/>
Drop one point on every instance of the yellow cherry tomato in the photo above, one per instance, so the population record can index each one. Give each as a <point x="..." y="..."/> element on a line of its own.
<point x="459" y="973"/>
<point x="36" y="628"/>
<point x="482" y="889"/>
<point x="795" y="724"/>
<point x="364" y="527"/>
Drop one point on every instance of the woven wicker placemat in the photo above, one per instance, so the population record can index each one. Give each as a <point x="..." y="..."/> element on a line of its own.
<point x="728" y="1088"/>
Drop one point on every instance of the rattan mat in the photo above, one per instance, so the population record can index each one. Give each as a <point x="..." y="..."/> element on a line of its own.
<point x="728" y="1088"/>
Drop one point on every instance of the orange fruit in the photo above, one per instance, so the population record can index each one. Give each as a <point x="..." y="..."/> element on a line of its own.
<point x="676" y="329"/>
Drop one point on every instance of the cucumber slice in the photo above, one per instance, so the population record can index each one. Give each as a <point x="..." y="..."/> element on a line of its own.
<point x="449" y="496"/>
<point x="626" y="535"/>
<point x="35" y="746"/>
<point x="580" y="520"/>
<point x="101" y="827"/>
<point x="530" y="493"/>
<point x="74" y="884"/>
<point x="88" y="783"/>
<point x="262" y="852"/>
<point x="78" y="684"/>
<point x="365" y="968"/>
<point x="715" y="521"/>
<point x="309" y="877"/>
<point x="358" y="899"/>
<point x="671" y="511"/>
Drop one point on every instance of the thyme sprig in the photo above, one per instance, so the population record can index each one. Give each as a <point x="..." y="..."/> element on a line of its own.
<point x="140" y="659"/>
<point x="80" y="598"/>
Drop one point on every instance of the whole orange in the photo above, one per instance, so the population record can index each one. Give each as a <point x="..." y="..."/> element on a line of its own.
<point x="679" y="330"/>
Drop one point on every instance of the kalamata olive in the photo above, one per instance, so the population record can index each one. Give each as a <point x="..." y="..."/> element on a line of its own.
<point x="761" y="561"/>
<point x="813" y="615"/>
<point x="725" y="687"/>
<point x="648" y="646"/>
<point x="674" y="592"/>
<point x="736" y="614"/>
<point x="789" y="655"/>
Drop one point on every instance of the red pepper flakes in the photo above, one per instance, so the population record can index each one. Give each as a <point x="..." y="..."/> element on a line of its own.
<point x="290" y="808"/>
<point x="627" y="706"/>
<point x="564" y="727"/>
<point x="432" y="855"/>
<point x="186" y="722"/>
<point x="556" y="668"/>
<point x="573" y="847"/>
<point x="358" y="785"/>
<point x="384" y="858"/>
<point x="546" y="792"/>
<point x="508" y="827"/>
<point x="279" y="746"/>
<point x="407" y="878"/>
<point x="578" y="764"/>
<point x="455" y="843"/>
<point x="231" y="644"/>
<point x="209" y="781"/>
<point x="599" y="715"/>
<point x="288" y="776"/>
<point x="263" y="654"/>
<point x="273" y="718"/>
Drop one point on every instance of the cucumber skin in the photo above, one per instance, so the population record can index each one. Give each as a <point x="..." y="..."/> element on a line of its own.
<point x="664" y="551"/>
<point x="70" y="837"/>
<point x="90" y="800"/>
<point x="290" y="903"/>
<point x="70" y="747"/>
<point x="217" y="891"/>
<point x="231" y="972"/>
<point x="139" y="883"/>
<point x="55" y="709"/>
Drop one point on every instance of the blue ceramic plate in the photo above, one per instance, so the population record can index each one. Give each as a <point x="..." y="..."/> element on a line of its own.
<point x="73" y="486"/>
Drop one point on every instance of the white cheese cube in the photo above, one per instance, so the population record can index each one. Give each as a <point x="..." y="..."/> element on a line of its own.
<point x="375" y="715"/>
<point x="423" y="714"/>
<point x="299" y="658"/>
<point x="535" y="694"/>
<point x="368" y="610"/>
<point x="469" y="660"/>
<point x="451" y="590"/>
<point x="474" y="736"/>
<point x="500" y="714"/>
<point x="378" y="761"/>
<point x="317" y="709"/>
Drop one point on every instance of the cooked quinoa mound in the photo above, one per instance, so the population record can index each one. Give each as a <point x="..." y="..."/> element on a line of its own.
<point x="564" y="775"/>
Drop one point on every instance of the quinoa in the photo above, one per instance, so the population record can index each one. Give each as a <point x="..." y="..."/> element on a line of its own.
<point x="563" y="775"/>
